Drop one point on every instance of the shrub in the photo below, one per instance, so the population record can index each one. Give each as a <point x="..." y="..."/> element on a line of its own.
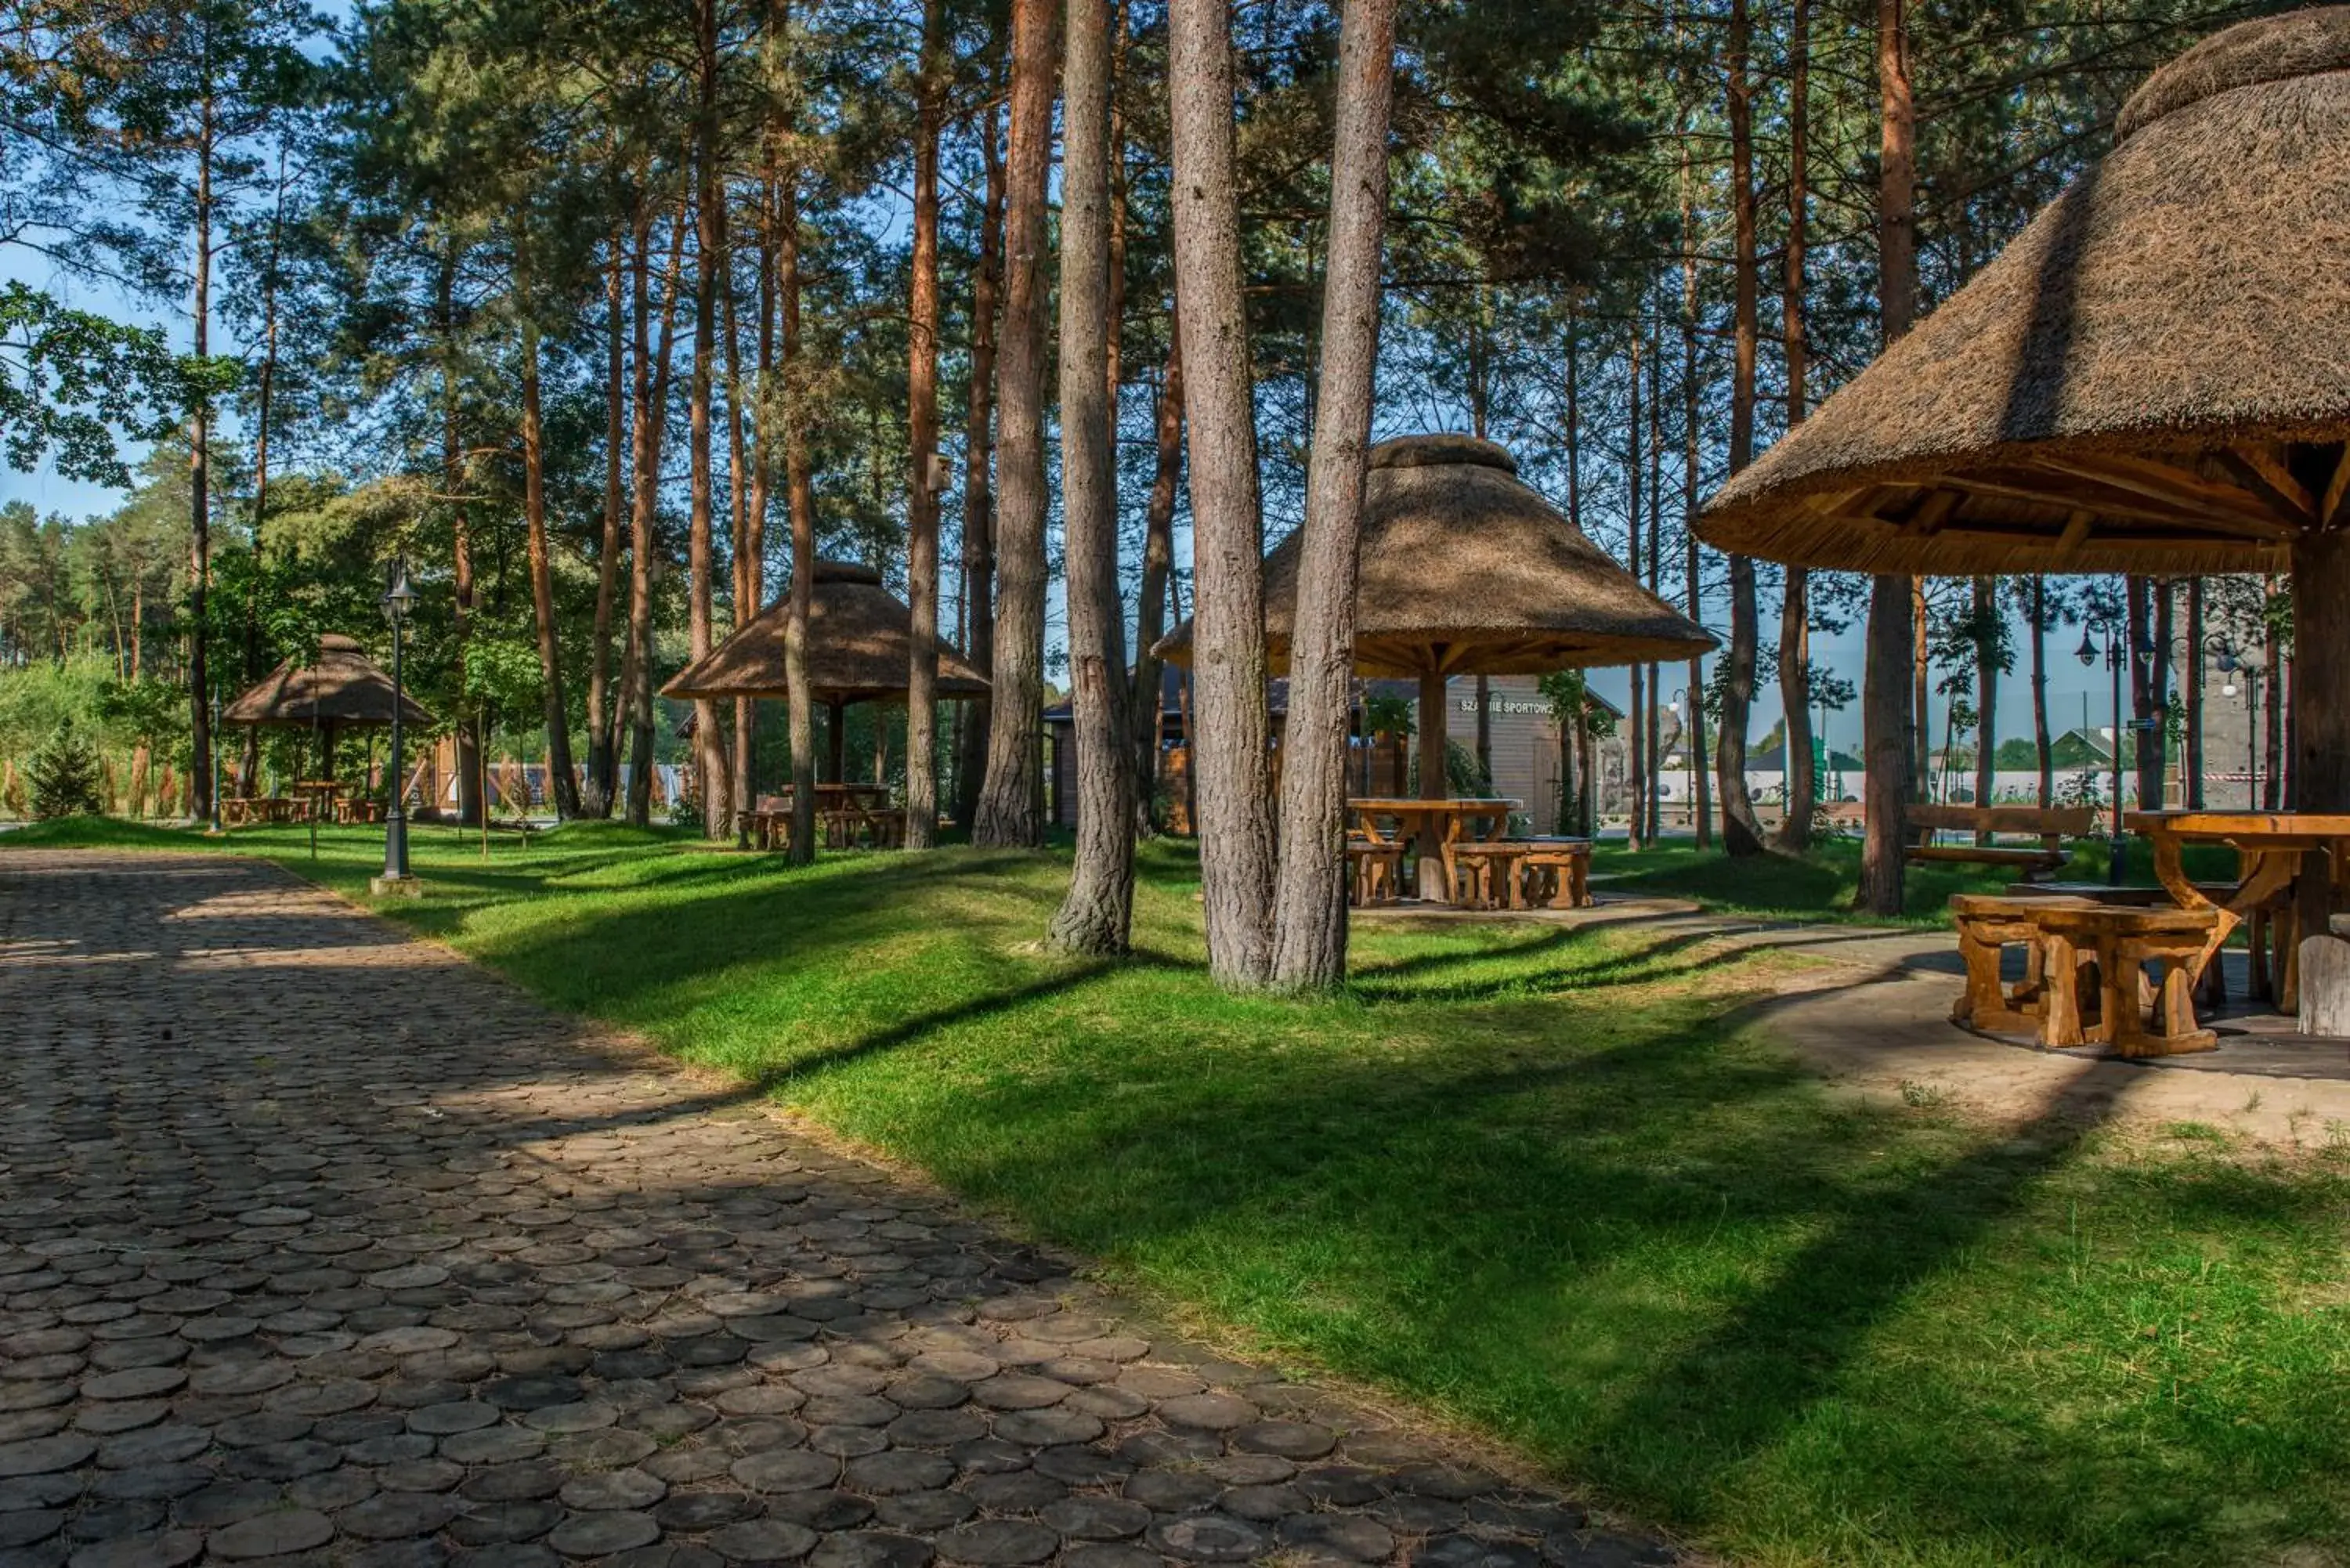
<point x="63" y="777"/>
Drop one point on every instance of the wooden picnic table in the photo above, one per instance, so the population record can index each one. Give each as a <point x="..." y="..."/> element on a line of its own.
<point x="1432" y="827"/>
<point x="2269" y="846"/>
<point x="843" y="812"/>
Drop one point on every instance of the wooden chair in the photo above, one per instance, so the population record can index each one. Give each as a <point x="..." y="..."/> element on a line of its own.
<point x="1556" y="873"/>
<point x="1375" y="872"/>
<point x="1484" y="874"/>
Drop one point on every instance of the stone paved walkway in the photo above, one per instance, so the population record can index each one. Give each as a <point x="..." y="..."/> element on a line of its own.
<point x="319" y="1245"/>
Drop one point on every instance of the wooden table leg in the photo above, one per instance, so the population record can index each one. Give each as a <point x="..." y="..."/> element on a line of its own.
<point x="2060" y="1016"/>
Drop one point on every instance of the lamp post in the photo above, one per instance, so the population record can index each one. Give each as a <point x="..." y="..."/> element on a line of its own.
<point x="2087" y="654"/>
<point x="397" y="601"/>
<point x="2237" y="668"/>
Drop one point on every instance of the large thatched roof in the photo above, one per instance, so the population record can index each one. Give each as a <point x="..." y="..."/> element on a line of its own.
<point x="860" y="643"/>
<point x="343" y="688"/>
<point x="1466" y="569"/>
<point x="2151" y="378"/>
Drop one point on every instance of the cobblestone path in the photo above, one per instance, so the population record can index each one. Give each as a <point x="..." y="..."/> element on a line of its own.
<point x="319" y="1245"/>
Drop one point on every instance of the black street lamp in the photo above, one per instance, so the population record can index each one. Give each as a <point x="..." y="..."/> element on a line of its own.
<point x="2087" y="653"/>
<point x="397" y="601"/>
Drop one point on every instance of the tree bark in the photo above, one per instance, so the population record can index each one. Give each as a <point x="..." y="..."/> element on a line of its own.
<point x="1803" y="785"/>
<point x="2193" y="697"/>
<point x="1010" y="793"/>
<point x="1986" y="689"/>
<point x="1742" y="833"/>
<point x="1886" y="702"/>
<point x="978" y="496"/>
<point x="472" y="801"/>
<point x="746" y="495"/>
<point x="799" y="496"/>
<point x="1309" y="926"/>
<point x="1097" y="914"/>
<point x="2043" y="747"/>
<point x="1233" y="778"/>
<point x="603" y="759"/>
<point x="710" y="274"/>
<point x="650" y="397"/>
<point x="200" y="531"/>
<point x="1638" y="709"/>
<point x="1144" y="707"/>
<point x="561" y="784"/>
<point x="922" y="437"/>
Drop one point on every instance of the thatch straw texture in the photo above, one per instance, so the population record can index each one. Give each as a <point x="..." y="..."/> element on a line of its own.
<point x="858" y="646"/>
<point x="1467" y="570"/>
<point x="343" y="688"/>
<point x="2151" y="378"/>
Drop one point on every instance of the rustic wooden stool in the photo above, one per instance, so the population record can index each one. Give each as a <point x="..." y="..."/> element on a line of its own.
<point x="1377" y="872"/>
<point x="2074" y="939"/>
<point x="1987" y="925"/>
<point x="1558" y="874"/>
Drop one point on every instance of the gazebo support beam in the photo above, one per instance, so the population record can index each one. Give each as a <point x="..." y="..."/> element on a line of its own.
<point x="1431" y="735"/>
<point x="2320" y="770"/>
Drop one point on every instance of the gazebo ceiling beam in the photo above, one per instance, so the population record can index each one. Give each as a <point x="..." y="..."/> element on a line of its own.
<point x="2329" y="511"/>
<point x="2177" y="488"/>
<point x="2265" y="466"/>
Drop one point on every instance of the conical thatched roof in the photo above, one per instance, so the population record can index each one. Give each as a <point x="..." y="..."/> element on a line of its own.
<point x="2151" y="378"/>
<point x="860" y="643"/>
<point x="1465" y="569"/>
<point x="345" y="687"/>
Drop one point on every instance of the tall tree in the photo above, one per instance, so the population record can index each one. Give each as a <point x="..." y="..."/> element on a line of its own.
<point x="1886" y="710"/>
<point x="1742" y="833"/>
<point x="1794" y="598"/>
<point x="978" y="485"/>
<point x="602" y="779"/>
<point x="922" y="435"/>
<point x="1097" y="914"/>
<point x="1309" y="925"/>
<point x="1145" y="707"/>
<point x="711" y="769"/>
<point x="1233" y="773"/>
<point x="1012" y="793"/>
<point x="563" y="784"/>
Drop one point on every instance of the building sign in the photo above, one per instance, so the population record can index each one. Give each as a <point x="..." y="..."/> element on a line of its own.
<point x="1505" y="705"/>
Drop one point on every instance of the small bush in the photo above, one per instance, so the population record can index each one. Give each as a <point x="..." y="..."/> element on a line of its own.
<point x="63" y="777"/>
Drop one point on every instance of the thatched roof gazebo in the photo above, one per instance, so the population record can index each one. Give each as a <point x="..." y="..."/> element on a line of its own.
<point x="2151" y="378"/>
<point x="343" y="688"/>
<point x="859" y="650"/>
<point x="1466" y="569"/>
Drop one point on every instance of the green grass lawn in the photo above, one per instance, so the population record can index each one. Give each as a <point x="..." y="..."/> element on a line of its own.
<point x="1542" y="1182"/>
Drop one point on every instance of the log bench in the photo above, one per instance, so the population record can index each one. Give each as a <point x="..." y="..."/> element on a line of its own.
<point x="2051" y="825"/>
<point x="2085" y="979"/>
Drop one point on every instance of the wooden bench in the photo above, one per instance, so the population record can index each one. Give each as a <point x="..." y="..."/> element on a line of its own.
<point x="1556" y="873"/>
<point x="2085" y="978"/>
<point x="2052" y="827"/>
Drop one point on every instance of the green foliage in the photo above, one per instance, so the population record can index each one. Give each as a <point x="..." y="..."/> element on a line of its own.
<point x="63" y="777"/>
<point x="74" y="386"/>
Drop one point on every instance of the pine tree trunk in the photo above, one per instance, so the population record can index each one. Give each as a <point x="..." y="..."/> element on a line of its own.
<point x="1144" y="708"/>
<point x="2192" y="698"/>
<point x="1986" y="689"/>
<point x="710" y="272"/>
<point x="603" y="761"/>
<point x="1802" y="779"/>
<point x="2146" y="757"/>
<point x="652" y="400"/>
<point x="1886" y="702"/>
<point x="1233" y="778"/>
<point x="1741" y="833"/>
<point x="978" y="494"/>
<point x="563" y="786"/>
<point x="922" y="437"/>
<point x="2321" y="702"/>
<point x="200" y="534"/>
<point x="747" y="497"/>
<point x="2043" y="747"/>
<point x="1309" y="928"/>
<point x="1096" y="915"/>
<point x="799" y="497"/>
<point x="472" y="801"/>
<point x="1635" y="757"/>
<point x="1010" y="795"/>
